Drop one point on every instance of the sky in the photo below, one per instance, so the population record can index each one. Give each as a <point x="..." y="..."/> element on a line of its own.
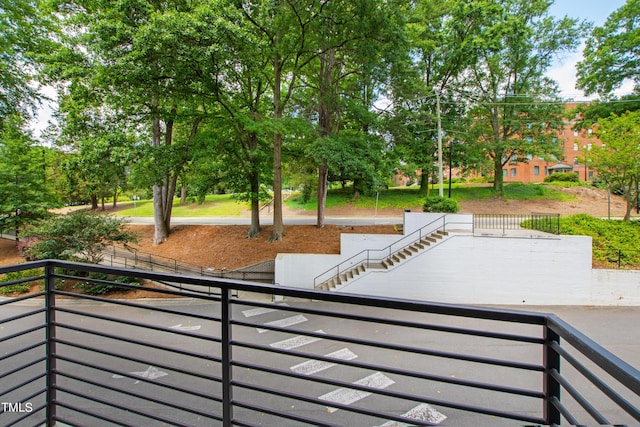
<point x="564" y="69"/>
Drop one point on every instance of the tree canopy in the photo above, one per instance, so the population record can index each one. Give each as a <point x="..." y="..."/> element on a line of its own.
<point x="183" y="97"/>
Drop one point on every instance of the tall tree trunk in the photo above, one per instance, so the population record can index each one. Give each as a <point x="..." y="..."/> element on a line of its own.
<point x="424" y="181"/>
<point x="94" y="202"/>
<point x="278" y="224"/>
<point x="183" y="195"/>
<point x="323" y="174"/>
<point x="115" y="198"/>
<point x="326" y="111"/>
<point x="498" y="179"/>
<point x="254" y="181"/>
<point x="161" y="230"/>
<point x="102" y="203"/>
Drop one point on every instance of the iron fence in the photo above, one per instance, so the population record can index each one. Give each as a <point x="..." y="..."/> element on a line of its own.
<point x="545" y="222"/>
<point x="321" y="358"/>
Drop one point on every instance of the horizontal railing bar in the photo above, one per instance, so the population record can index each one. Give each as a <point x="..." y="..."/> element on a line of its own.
<point x="407" y="349"/>
<point x="138" y="342"/>
<point x="129" y="392"/>
<point x="22" y="298"/>
<point x="604" y="387"/>
<point x="120" y="286"/>
<point x="288" y="416"/>
<point x="22" y="280"/>
<point x="337" y="405"/>
<point x="404" y="396"/>
<point x="130" y="359"/>
<point x="135" y="324"/>
<point x="614" y="366"/>
<point x="88" y="413"/>
<point x="118" y="406"/>
<point x="21" y="316"/>
<point x="407" y="324"/>
<point x="28" y="415"/>
<point x="564" y="411"/>
<point x="137" y="378"/>
<point x="404" y="304"/>
<point x="20" y="368"/>
<point x="22" y="350"/>
<point x="34" y="394"/>
<point x="21" y="333"/>
<point x="597" y="416"/>
<point x="147" y="307"/>
<point x="22" y="384"/>
<point x="390" y="370"/>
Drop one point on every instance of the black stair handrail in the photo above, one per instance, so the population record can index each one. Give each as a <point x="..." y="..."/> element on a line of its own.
<point x="388" y="251"/>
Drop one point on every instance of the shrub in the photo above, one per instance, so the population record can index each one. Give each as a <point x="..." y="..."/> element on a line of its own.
<point x="440" y="204"/>
<point x="17" y="275"/>
<point x="93" y="288"/>
<point x="562" y="177"/>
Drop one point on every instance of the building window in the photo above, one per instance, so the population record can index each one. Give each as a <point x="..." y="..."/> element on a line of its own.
<point x="575" y="147"/>
<point x="513" y="171"/>
<point x="504" y="173"/>
<point x="589" y="132"/>
<point x="575" y="133"/>
<point x="589" y="147"/>
<point x="536" y="170"/>
<point x="575" y="160"/>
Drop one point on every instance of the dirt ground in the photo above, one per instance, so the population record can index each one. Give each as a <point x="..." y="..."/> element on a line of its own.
<point x="227" y="246"/>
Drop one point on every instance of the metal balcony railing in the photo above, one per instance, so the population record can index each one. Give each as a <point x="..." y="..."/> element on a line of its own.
<point x="545" y="222"/>
<point x="197" y="359"/>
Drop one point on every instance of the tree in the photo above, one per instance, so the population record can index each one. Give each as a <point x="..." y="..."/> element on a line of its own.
<point x="24" y="35"/>
<point x="78" y="236"/>
<point x="516" y="110"/>
<point x="439" y="33"/>
<point x="24" y="193"/>
<point x="612" y="52"/>
<point x="617" y="161"/>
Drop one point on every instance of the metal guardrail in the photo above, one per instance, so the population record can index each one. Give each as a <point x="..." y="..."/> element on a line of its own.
<point x="324" y="359"/>
<point x="548" y="223"/>
<point x="373" y="256"/>
<point x="131" y="258"/>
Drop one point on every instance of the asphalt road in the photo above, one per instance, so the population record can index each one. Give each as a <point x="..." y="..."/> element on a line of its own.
<point x="150" y="372"/>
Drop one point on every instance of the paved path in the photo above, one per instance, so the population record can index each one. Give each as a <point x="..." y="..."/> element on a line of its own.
<point x="290" y="220"/>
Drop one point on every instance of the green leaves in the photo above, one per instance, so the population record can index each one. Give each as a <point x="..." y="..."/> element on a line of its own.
<point x="612" y="52"/>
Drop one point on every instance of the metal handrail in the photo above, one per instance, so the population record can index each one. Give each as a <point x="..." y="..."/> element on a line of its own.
<point x="223" y="374"/>
<point x="365" y="256"/>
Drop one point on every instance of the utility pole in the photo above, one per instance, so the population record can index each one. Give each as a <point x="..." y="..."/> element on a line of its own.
<point x="440" y="187"/>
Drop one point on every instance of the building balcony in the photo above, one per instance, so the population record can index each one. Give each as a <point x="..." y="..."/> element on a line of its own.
<point x="211" y="351"/>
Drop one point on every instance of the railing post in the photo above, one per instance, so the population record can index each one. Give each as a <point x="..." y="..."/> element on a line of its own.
<point x="552" y="414"/>
<point x="50" y="344"/>
<point x="227" y="369"/>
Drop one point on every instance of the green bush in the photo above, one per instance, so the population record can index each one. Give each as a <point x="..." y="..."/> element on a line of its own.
<point x="562" y="177"/>
<point x="440" y="204"/>
<point x="17" y="275"/>
<point x="92" y="288"/>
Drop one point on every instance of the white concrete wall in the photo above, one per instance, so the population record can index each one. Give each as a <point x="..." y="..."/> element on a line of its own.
<point x="469" y="269"/>
<point x="615" y="287"/>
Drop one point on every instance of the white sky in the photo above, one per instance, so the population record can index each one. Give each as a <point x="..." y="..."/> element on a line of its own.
<point x="563" y="71"/>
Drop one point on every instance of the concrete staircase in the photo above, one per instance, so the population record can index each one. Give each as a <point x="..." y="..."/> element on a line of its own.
<point x="387" y="263"/>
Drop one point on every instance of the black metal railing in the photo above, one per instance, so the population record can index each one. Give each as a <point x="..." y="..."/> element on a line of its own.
<point x="322" y="358"/>
<point x="368" y="257"/>
<point x="132" y="258"/>
<point x="545" y="222"/>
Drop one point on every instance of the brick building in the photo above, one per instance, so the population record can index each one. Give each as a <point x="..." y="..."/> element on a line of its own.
<point x="576" y="144"/>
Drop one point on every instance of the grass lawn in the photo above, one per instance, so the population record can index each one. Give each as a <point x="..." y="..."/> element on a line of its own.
<point x="223" y="205"/>
<point x="409" y="197"/>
